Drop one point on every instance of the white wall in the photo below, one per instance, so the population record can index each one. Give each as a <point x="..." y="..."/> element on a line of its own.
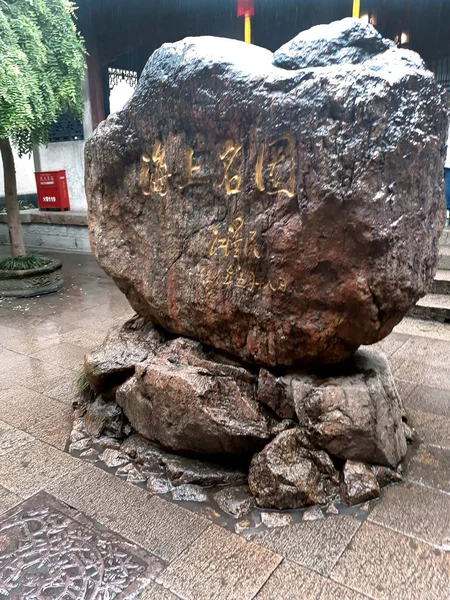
<point x="68" y="156"/>
<point x="26" y="183"/>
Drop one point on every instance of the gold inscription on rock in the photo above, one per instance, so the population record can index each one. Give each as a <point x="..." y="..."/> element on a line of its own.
<point x="274" y="170"/>
<point x="279" y="174"/>
<point x="236" y="242"/>
<point x="235" y="276"/>
<point x="190" y="170"/>
<point x="154" y="175"/>
<point x="231" y="179"/>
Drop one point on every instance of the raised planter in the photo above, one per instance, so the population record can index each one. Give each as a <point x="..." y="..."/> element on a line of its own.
<point x="31" y="282"/>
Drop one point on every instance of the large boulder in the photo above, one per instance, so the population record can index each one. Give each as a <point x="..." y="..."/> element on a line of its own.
<point x="353" y="410"/>
<point x="187" y="402"/>
<point x="281" y="212"/>
<point x="290" y="473"/>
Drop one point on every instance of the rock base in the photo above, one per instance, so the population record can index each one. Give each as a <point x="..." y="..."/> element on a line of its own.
<point x="181" y="418"/>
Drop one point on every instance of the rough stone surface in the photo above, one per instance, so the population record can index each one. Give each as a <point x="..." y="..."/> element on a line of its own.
<point x="385" y="476"/>
<point x="181" y="470"/>
<point x="113" y="458"/>
<point x="273" y="392"/>
<point x="189" y="493"/>
<point x="313" y="513"/>
<point x="157" y="484"/>
<point x="186" y="402"/>
<point x="358" y="484"/>
<point x="283" y="216"/>
<point x="236" y="501"/>
<point x="342" y="42"/>
<point x="104" y="418"/>
<point x="274" y="519"/>
<point x="114" y="361"/>
<point x="353" y="411"/>
<point x="289" y="473"/>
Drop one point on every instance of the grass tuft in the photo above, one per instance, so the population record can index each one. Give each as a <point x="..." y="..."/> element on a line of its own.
<point x="23" y="263"/>
<point x="82" y="385"/>
<point x="23" y="205"/>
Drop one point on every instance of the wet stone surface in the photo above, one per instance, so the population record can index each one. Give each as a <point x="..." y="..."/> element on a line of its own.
<point x="215" y="491"/>
<point x="50" y="551"/>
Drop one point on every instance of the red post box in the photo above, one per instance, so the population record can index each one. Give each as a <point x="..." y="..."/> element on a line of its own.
<point x="52" y="190"/>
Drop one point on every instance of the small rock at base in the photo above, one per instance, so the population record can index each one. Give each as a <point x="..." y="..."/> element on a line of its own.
<point x="104" y="417"/>
<point x="135" y="476"/>
<point x="80" y="444"/>
<point x="90" y="454"/>
<point x="313" y="513"/>
<point x="276" y="519"/>
<point x="288" y="473"/>
<point x="332" y="509"/>
<point x="242" y="526"/>
<point x="410" y="433"/>
<point x="189" y="493"/>
<point x="385" y="476"/>
<point x="113" y="458"/>
<point x="105" y="441"/>
<point x="78" y="430"/>
<point x="359" y="484"/>
<point x="125" y="469"/>
<point x="236" y="501"/>
<point x="182" y="470"/>
<point x="157" y="484"/>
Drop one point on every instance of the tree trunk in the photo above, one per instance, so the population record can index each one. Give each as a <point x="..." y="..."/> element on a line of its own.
<point x="12" y="205"/>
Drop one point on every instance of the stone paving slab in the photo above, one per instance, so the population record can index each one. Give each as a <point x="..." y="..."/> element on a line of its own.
<point x="157" y="592"/>
<point x="31" y="467"/>
<point x="418" y="349"/>
<point x="37" y="374"/>
<point x="54" y="432"/>
<point x="157" y="525"/>
<point x="423" y="373"/>
<point x="220" y="565"/>
<point x="392" y="343"/>
<point x="431" y="467"/>
<point x="63" y="354"/>
<point x="8" y="499"/>
<point x="416" y="511"/>
<point x="24" y="408"/>
<point x="432" y="429"/>
<point x="50" y="551"/>
<point x="316" y="545"/>
<point x="292" y="582"/>
<point x="386" y="565"/>
<point x="429" y="399"/>
<point x="11" y="439"/>
<point x="424" y="328"/>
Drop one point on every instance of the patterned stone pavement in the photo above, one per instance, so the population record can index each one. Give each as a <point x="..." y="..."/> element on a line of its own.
<point x="69" y="530"/>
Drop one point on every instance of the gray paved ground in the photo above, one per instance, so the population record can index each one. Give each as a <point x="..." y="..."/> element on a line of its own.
<point x="120" y="536"/>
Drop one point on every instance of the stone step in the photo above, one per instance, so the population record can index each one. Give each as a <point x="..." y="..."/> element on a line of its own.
<point x="433" y="306"/>
<point x="444" y="258"/>
<point x="441" y="283"/>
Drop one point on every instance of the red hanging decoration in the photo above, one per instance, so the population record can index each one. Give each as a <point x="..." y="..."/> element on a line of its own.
<point x="245" y="8"/>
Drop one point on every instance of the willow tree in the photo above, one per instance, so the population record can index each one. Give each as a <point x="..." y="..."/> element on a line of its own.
<point x="41" y="73"/>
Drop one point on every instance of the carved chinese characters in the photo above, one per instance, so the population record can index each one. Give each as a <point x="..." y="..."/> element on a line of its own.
<point x="274" y="170"/>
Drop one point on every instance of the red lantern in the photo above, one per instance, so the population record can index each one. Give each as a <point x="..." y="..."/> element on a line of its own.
<point x="245" y="8"/>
